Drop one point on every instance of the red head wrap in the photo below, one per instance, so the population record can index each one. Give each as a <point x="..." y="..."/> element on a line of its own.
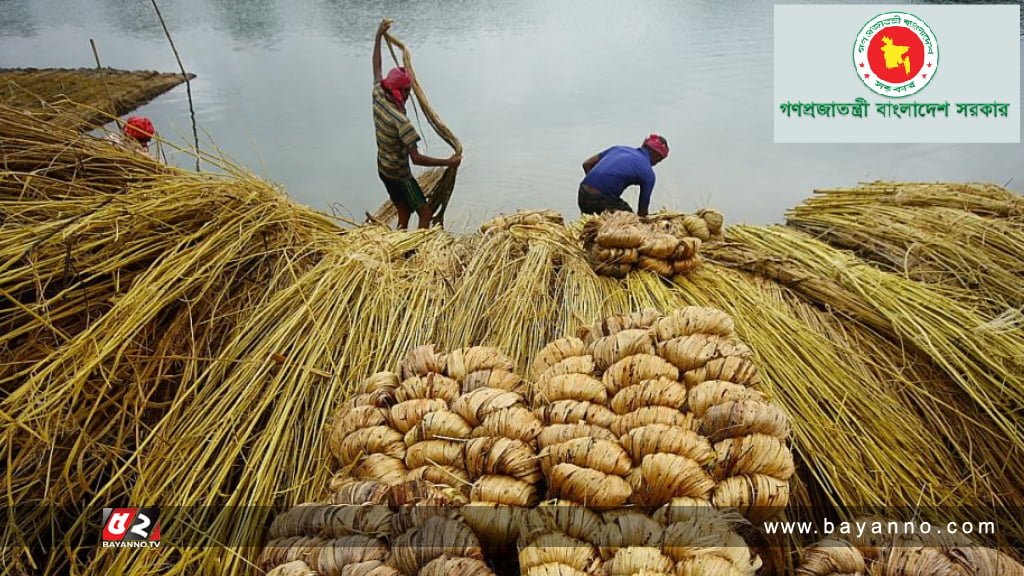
<point x="395" y="83"/>
<point x="657" y="144"/>
<point x="139" y="127"/>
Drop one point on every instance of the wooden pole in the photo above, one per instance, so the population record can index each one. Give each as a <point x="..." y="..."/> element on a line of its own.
<point x="95" y="54"/>
<point x="188" y="85"/>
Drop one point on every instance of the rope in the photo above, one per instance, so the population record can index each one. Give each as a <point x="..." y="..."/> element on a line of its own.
<point x="437" y="189"/>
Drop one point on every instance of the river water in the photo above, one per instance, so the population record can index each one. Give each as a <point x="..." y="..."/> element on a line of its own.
<point x="532" y="87"/>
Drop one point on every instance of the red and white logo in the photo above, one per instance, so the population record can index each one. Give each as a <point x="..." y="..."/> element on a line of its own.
<point x="896" y="54"/>
<point x="130" y="528"/>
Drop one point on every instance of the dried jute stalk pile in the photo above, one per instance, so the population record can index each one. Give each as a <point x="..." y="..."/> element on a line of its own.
<point x="374" y="529"/>
<point x="871" y="554"/>
<point x="620" y="242"/>
<point x="522" y="218"/>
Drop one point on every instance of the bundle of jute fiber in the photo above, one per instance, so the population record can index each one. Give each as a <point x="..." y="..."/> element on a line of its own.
<point x="429" y="534"/>
<point x="903" y="555"/>
<point x="665" y="456"/>
<point x="365" y="438"/>
<point x="617" y="243"/>
<point x="522" y="218"/>
<point x="560" y="537"/>
<point x="704" y="541"/>
<point x="500" y="456"/>
<point x="294" y="568"/>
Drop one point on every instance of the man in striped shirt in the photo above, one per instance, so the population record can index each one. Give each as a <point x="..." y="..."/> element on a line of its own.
<point x="396" y="140"/>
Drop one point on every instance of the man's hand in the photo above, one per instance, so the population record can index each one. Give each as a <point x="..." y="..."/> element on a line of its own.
<point x="385" y="24"/>
<point x="454" y="161"/>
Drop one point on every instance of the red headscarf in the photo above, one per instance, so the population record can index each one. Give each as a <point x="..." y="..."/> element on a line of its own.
<point x="139" y="128"/>
<point x="395" y="83"/>
<point x="655" y="143"/>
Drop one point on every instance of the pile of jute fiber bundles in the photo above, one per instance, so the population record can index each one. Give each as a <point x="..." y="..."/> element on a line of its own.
<point x="871" y="550"/>
<point x="374" y="529"/>
<point x="705" y="225"/>
<point x="458" y="419"/>
<point x="582" y="460"/>
<point x="683" y="394"/>
<point x="329" y="538"/>
<point x="620" y="429"/>
<point x="617" y="243"/>
<point x="563" y="538"/>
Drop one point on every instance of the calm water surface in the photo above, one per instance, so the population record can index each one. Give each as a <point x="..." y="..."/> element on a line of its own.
<point x="531" y="87"/>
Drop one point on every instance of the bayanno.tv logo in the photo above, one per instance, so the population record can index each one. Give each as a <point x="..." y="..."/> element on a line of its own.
<point x="130" y="528"/>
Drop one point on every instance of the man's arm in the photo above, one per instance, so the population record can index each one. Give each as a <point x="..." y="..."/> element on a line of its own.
<point x="646" y="188"/>
<point x="381" y="29"/>
<point x="589" y="163"/>
<point x="423" y="160"/>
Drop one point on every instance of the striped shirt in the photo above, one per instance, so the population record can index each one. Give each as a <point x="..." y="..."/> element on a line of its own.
<point x="395" y="134"/>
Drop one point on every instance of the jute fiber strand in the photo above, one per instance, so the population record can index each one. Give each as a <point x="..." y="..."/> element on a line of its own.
<point x="438" y="183"/>
<point x="974" y="252"/>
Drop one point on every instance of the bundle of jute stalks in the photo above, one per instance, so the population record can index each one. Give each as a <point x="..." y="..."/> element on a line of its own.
<point x="569" y="539"/>
<point x="620" y="242"/>
<point x="646" y="408"/>
<point x="375" y="529"/>
<point x="458" y="420"/>
<point x="522" y="218"/>
<point x="933" y="554"/>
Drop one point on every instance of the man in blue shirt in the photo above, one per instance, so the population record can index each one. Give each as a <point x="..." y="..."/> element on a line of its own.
<point x="609" y="173"/>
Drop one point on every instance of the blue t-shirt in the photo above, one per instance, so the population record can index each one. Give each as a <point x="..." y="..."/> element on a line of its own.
<point x="620" y="167"/>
